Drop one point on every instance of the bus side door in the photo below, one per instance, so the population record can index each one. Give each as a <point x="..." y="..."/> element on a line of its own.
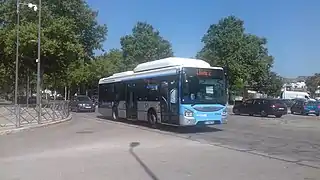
<point x="169" y="102"/>
<point x="131" y="101"/>
<point x="174" y="102"/>
<point x="164" y="101"/>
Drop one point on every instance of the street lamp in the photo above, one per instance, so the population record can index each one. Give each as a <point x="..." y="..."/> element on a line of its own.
<point x="35" y="8"/>
<point x="38" y="65"/>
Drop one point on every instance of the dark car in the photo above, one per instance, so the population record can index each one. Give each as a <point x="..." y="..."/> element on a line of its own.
<point x="82" y="103"/>
<point x="306" y="108"/>
<point x="263" y="107"/>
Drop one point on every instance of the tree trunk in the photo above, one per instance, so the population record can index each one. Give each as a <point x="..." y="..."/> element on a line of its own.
<point x="65" y="92"/>
<point x="69" y="93"/>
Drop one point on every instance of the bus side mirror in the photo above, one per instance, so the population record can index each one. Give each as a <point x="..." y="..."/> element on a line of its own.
<point x="225" y="71"/>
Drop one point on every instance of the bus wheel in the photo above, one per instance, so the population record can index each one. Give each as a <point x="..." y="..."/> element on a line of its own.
<point x="114" y="114"/>
<point x="152" y="119"/>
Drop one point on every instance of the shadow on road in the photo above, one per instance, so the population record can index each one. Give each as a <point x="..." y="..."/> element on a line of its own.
<point x="182" y="130"/>
<point x="142" y="164"/>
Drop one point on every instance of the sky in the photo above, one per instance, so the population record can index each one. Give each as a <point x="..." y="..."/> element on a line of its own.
<point x="292" y="27"/>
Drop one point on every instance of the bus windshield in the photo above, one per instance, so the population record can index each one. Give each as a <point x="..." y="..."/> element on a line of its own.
<point x="204" y="87"/>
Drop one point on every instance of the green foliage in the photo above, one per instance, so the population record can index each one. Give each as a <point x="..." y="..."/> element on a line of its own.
<point x="4" y="79"/>
<point x="313" y="83"/>
<point x="273" y="84"/>
<point x="106" y="65"/>
<point x="70" y="34"/>
<point x="144" y="44"/>
<point x="78" y="73"/>
<point x="89" y="32"/>
<point x="89" y="73"/>
<point x="244" y="55"/>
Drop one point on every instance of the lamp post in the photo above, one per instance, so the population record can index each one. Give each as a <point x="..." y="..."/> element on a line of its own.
<point x="38" y="65"/>
<point x="35" y="8"/>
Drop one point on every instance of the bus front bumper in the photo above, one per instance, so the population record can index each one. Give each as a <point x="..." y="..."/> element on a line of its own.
<point x="191" y="121"/>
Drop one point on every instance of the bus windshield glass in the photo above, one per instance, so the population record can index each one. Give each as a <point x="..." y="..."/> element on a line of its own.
<point x="203" y="86"/>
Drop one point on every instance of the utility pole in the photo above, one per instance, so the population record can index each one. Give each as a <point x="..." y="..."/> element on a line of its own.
<point x="39" y="96"/>
<point x="17" y="56"/>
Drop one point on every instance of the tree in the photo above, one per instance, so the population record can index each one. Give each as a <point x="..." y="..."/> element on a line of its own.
<point x="70" y="34"/>
<point x="313" y="83"/>
<point x="244" y="55"/>
<point x="88" y="73"/>
<point x="105" y="65"/>
<point x="144" y="44"/>
<point x="273" y="85"/>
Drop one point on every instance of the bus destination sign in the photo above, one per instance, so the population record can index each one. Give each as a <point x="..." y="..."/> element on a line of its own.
<point x="204" y="72"/>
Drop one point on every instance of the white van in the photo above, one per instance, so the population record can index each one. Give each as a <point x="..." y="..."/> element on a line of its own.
<point x="294" y="95"/>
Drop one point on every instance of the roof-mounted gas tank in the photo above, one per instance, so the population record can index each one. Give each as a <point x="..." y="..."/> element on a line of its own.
<point x="126" y="73"/>
<point x="171" y="62"/>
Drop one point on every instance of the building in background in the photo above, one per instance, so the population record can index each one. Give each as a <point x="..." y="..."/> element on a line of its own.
<point x="299" y="86"/>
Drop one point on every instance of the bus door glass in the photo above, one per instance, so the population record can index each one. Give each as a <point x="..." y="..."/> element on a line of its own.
<point x="173" y="101"/>
<point x="164" y="101"/>
<point x="131" y="101"/>
<point x="169" y="102"/>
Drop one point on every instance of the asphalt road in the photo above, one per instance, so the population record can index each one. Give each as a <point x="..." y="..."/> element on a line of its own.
<point x="90" y="147"/>
<point x="291" y="138"/>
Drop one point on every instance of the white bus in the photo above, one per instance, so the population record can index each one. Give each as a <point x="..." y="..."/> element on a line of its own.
<point x="173" y="91"/>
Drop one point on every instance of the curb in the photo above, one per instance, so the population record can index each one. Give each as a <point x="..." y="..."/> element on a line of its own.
<point x="11" y="131"/>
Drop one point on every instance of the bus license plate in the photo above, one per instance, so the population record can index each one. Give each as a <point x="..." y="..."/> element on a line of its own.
<point x="312" y="111"/>
<point x="209" y="122"/>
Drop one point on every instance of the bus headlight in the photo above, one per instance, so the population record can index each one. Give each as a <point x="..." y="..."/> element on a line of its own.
<point x="224" y="112"/>
<point x="188" y="113"/>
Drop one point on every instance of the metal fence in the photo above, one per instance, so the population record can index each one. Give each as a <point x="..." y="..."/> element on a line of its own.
<point x="23" y="114"/>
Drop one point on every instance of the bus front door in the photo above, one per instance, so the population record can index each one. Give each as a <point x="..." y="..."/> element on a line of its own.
<point x="173" y="103"/>
<point x="131" y="102"/>
<point x="169" y="103"/>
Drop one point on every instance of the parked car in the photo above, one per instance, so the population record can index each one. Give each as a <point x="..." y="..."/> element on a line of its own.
<point x="306" y="108"/>
<point x="261" y="106"/>
<point x="82" y="103"/>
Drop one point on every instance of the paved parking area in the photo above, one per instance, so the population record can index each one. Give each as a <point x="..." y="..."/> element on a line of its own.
<point x="93" y="148"/>
<point x="290" y="138"/>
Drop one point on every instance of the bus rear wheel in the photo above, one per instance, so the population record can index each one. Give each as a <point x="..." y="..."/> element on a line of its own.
<point x="152" y="119"/>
